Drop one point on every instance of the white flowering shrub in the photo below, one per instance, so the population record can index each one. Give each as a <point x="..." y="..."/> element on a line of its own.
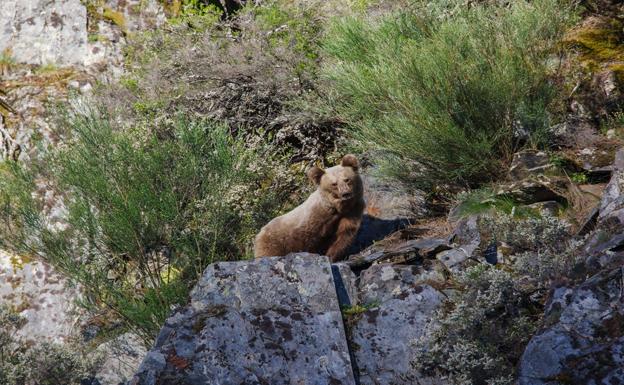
<point x="480" y="334"/>
<point x="44" y="364"/>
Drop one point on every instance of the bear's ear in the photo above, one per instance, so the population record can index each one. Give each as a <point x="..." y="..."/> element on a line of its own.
<point x="350" y="160"/>
<point x="315" y="174"/>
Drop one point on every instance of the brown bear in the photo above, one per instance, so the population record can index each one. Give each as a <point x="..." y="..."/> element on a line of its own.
<point x="326" y="223"/>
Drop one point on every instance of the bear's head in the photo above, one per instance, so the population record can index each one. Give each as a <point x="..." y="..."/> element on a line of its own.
<point x="342" y="184"/>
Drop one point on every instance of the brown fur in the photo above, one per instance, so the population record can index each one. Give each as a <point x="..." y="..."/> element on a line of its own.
<point x="326" y="223"/>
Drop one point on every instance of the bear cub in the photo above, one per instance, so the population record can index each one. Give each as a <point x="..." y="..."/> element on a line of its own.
<point x="326" y="223"/>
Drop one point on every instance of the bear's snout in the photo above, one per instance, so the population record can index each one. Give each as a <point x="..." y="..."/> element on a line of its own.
<point x="346" y="195"/>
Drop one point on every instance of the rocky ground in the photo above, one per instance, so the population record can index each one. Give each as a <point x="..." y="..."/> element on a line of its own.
<point x="262" y="319"/>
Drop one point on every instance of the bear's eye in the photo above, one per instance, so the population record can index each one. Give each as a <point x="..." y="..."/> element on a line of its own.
<point x="347" y="180"/>
<point x="335" y="184"/>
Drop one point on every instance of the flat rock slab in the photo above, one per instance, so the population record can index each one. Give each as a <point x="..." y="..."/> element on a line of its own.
<point x="583" y="342"/>
<point x="403" y="252"/>
<point x="267" y="321"/>
<point x="401" y="306"/>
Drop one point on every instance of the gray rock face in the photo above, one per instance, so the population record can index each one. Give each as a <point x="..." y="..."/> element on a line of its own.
<point x="383" y="335"/>
<point x="612" y="204"/>
<point x="41" y="295"/>
<point x="269" y="321"/>
<point x="585" y="342"/>
<point x="43" y="31"/>
<point x="529" y="162"/>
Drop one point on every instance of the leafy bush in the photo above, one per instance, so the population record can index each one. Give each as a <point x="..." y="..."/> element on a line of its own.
<point x="46" y="364"/>
<point x="441" y="89"/>
<point x="143" y="213"/>
<point x="480" y="334"/>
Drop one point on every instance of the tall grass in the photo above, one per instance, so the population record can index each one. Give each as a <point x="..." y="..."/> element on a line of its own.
<point x="143" y="214"/>
<point x="439" y="89"/>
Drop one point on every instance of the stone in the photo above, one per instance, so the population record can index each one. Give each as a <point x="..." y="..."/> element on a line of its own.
<point x="44" y="32"/>
<point x="389" y="201"/>
<point x="466" y="235"/>
<point x="401" y="305"/>
<point x="529" y="162"/>
<point x="547" y="208"/>
<point x="454" y="257"/>
<point x="575" y="132"/>
<point x="121" y="359"/>
<point x="584" y="340"/>
<point x="267" y="321"/>
<point x="402" y="252"/>
<point x="612" y="203"/>
<point x="41" y="295"/>
<point x="373" y="229"/>
<point x="536" y="189"/>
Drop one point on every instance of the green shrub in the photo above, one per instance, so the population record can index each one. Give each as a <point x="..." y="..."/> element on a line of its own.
<point x="438" y="89"/>
<point x="143" y="213"/>
<point x="487" y="201"/>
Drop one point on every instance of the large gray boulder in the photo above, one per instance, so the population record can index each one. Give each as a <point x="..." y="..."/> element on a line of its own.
<point x="268" y="321"/>
<point x="584" y="343"/>
<point x="399" y="305"/>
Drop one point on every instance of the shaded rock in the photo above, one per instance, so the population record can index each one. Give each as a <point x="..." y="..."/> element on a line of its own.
<point x="588" y="224"/>
<point x="373" y="229"/>
<point x="575" y="132"/>
<point x="389" y="208"/>
<point x="536" y="189"/>
<point x="548" y="208"/>
<point x="121" y="359"/>
<point x="612" y="203"/>
<point x="529" y="162"/>
<point x="584" y="342"/>
<point x="383" y="334"/>
<point x="402" y="252"/>
<point x="465" y="240"/>
<point x="389" y="201"/>
<point x="267" y="321"/>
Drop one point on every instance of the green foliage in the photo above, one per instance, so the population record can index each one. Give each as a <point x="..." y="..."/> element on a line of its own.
<point x="480" y="335"/>
<point x="196" y="14"/>
<point x="440" y="87"/>
<point x="579" y="177"/>
<point x="484" y="201"/>
<point x="145" y="211"/>
<point x="45" y="364"/>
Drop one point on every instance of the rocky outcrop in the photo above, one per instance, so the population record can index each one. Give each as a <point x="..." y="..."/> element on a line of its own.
<point x="585" y="342"/>
<point x="399" y="303"/>
<point x="66" y="32"/>
<point x="582" y="341"/>
<point x="278" y="321"/>
<point x="269" y="321"/>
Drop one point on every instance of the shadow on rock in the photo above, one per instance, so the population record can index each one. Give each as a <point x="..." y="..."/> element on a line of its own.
<point x="375" y="229"/>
